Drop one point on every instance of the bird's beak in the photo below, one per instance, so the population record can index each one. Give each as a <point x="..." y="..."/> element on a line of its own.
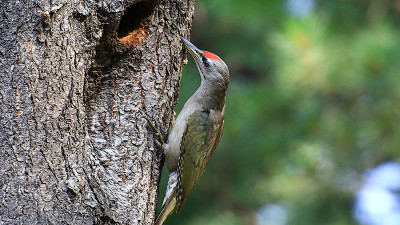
<point x="193" y="50"/>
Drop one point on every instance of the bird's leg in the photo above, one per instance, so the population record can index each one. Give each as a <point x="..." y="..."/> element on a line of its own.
<point x="173" y="118"/>
<point x="159" y="141"/>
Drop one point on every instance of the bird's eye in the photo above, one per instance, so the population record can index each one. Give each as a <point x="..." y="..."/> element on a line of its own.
<point x="205" y="62"/>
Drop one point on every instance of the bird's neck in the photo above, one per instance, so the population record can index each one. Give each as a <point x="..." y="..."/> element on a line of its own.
<point x="211" y="95"/>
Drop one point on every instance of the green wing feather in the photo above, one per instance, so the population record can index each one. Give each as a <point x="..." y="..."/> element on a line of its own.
<point x="200" y="140"/>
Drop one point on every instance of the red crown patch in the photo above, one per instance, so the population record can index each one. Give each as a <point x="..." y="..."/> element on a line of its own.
<point x="211" y="56"/>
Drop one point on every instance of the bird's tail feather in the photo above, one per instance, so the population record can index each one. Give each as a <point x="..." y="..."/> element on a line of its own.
<point x="167" y="210"/>
<point x="169" y="203"/>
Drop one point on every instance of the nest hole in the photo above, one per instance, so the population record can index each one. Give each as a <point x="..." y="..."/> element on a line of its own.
<point x="134" y="23"/>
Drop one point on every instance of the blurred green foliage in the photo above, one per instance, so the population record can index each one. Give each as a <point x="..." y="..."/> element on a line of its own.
<point x="313" y="103"/>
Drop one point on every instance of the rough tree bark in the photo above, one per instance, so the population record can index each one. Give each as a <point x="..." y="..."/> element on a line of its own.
<point x="76" y="79"/>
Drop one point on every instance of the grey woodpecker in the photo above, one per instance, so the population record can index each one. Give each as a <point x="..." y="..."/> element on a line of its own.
<point x="196" y="132"/>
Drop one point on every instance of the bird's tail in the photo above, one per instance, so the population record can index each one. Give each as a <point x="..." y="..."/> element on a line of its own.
<point x="167" y="210"/>
<point x="169" y="200"/>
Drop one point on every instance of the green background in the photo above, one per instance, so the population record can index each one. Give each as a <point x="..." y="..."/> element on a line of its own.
<point x="313" y="103"/>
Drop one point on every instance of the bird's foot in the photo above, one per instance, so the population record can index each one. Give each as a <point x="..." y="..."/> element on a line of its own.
<point x="159" y="139"/>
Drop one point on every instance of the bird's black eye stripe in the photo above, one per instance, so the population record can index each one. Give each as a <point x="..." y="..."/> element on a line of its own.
<point x="205" y="62"/>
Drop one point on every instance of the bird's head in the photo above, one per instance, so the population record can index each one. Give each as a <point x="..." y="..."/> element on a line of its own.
<point x="211" y="67"/>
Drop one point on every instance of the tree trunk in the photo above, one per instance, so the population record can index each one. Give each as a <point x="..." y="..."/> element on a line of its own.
<point x="76" y="80"/>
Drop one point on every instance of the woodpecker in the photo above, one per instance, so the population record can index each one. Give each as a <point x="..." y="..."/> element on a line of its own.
<point x="196" y="132"/>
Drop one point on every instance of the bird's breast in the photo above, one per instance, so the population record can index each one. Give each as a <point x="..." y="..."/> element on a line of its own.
<point x="172" y="149"/>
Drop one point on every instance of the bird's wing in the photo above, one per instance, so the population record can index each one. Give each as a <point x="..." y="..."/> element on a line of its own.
<point x="200" y="139"/>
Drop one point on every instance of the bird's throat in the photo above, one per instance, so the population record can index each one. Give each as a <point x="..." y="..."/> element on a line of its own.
<point x="211" y="95"/>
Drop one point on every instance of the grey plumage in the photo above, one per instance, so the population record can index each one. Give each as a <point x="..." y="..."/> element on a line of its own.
<point x="197" y="130"/>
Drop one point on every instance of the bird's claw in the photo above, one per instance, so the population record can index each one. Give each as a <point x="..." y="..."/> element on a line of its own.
<point x="159" y="141"/>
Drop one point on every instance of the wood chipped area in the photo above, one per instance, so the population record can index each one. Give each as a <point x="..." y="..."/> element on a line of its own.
<point x="136" y="37"/>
